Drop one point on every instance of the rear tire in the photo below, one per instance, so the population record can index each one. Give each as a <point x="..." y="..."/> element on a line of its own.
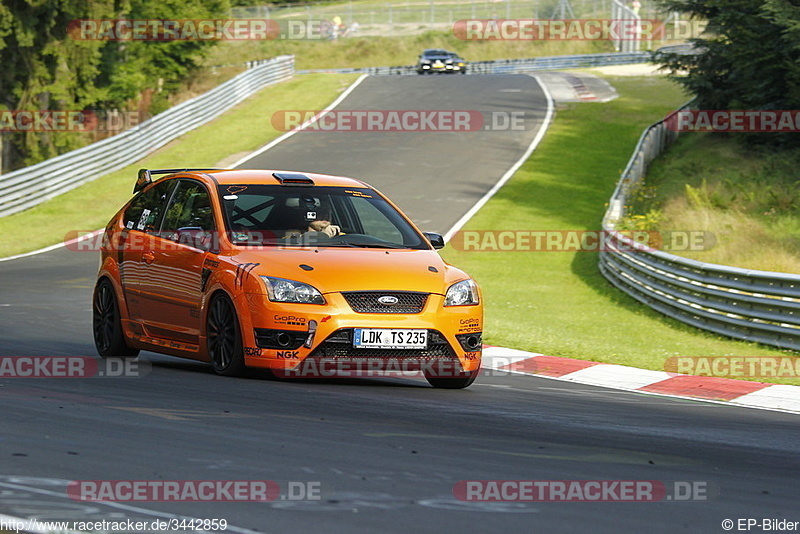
<point x="459" y="381"/>
<point x="109" y="339"/>
<point x="224" y="337"/>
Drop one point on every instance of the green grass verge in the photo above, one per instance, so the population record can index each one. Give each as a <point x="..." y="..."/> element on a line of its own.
<point x="557" y="303"/>
<point x="748" y="198"/>
<point x="216" y="144"/>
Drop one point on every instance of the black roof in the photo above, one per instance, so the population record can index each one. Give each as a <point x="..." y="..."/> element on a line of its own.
<point x="436" y="52"/>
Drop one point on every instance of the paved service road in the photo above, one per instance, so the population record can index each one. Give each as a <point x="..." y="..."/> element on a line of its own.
<point x="385" y="454"/>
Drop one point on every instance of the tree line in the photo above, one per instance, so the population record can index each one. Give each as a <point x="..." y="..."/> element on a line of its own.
<point x="47" y="66"/>
<point x="747" y="59"/>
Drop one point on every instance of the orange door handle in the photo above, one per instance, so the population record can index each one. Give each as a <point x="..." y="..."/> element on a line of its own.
<point x="148" y="257"/>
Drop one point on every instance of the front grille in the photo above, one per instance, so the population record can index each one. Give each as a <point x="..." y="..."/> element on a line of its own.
<point x="340" y="345"/>
<point x="367" y="301"/>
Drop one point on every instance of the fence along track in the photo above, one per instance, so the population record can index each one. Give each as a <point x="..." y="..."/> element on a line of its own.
<point x="30" y="186"/>
<point x="752" y="305"/>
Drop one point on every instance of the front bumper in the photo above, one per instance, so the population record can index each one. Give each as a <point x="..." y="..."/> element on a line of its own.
<point x="290" y="337"/>
<point x="438" y="68"/>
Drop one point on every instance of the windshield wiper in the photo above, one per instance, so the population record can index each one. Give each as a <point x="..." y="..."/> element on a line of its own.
<point x="367" y="245"/>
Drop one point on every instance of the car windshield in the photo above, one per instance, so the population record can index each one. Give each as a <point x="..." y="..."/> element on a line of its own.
<point x="314" y="216"/>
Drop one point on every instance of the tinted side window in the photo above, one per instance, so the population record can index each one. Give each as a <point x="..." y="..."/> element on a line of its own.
<point x="190" y="208"/>
<point x="374" y="222"/>
<point x="146" y="210"/>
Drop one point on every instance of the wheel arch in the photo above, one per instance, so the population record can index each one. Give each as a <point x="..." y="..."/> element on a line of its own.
<point x="122" y="302"/>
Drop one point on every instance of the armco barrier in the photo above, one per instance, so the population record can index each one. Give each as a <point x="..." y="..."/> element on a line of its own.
<point x="27" y="187"/>
<point x="511" y="66"/>
<point x="745" y="304"/>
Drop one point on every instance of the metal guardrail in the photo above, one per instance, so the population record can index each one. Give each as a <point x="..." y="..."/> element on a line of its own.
<point x="27" y="187"/>
<point x="758" y="306"/>
<point x="511" y="66"/>
<point x="685" y="49"/>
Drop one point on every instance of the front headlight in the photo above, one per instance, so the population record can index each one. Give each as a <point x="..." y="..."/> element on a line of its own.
<point x="282" y="290"/>
<point x="463" y="293"/>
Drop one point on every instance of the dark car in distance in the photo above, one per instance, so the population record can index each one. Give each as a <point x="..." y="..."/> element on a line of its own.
<point x="437" y="60"/>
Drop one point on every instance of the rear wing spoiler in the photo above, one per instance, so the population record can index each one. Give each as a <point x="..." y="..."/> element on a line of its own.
<point x="145" y="176"/>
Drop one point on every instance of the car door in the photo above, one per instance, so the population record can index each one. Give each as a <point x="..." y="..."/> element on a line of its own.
<point x="142" y="220"/>
<point x="172" y="287"/>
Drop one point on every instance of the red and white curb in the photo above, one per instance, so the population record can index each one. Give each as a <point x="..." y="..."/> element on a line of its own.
<point x="761" y="395"/>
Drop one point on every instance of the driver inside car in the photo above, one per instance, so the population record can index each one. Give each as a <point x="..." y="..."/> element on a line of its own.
<point x="317" y="224"/>
<point x="323" y="225"/>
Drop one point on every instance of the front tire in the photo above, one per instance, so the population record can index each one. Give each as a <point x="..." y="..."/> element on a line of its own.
<point x="457" y="381"/>
<point x="109" y="339"/>
<point x="224" y="337"/>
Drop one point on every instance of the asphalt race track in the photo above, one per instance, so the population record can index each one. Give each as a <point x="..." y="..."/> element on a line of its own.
<point x="384" y="454"/>
<point x="435" y="177"/>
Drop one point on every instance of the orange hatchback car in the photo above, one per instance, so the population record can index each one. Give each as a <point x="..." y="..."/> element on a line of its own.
<point x="306" y="275"/>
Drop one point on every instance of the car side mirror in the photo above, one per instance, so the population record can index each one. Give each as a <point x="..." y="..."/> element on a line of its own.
<point x="436" y="239"/>
<point x="194" y="236"/>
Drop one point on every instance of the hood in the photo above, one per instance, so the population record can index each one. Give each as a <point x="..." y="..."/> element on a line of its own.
<point x="358" y="269"/>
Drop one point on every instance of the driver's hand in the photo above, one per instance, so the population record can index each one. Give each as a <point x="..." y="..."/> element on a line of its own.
<point x="331" y="230"/>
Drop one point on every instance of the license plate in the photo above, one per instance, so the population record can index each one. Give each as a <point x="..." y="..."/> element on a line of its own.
<point x="390" y="338"/>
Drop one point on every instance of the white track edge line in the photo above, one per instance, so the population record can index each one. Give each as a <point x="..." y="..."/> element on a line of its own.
<point x="258" y="151"/>
<point x="54" y="247"/>
<point x="514" y="168"/>
<point x="305" y="125"/>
